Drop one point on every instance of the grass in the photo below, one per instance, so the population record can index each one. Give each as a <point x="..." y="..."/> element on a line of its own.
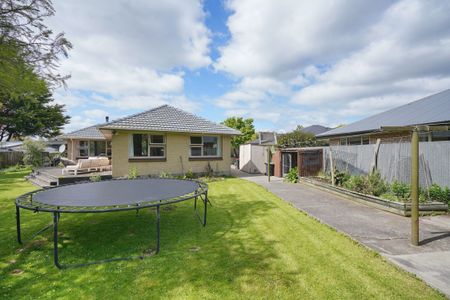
<point x="254" y="246"/>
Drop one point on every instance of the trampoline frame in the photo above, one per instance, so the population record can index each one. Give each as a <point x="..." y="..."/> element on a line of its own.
<point x="25" y="201"/>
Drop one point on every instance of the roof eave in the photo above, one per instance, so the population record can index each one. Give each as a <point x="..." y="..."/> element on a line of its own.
<point x="176" y="131"/>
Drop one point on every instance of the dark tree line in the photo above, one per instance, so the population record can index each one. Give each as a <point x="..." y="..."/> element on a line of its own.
<point x="29" y="59"/>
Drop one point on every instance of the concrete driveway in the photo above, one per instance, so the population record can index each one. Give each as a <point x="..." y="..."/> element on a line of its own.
<point x="381" y="231"/>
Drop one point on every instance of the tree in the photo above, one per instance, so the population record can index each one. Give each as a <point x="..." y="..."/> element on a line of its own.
<point x="23" y="31"/>
<point x="34" y="153"/>
<point x="297" y="138"/>
<point x="245" y="126"/>
<point x="30" y="114"/>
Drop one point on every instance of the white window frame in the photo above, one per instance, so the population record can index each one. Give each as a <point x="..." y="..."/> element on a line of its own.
<point x="219" y="146"/>
<point x="150" y="144"/>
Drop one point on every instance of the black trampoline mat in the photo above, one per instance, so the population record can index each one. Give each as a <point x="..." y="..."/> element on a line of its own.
<point x="116" y="192"/>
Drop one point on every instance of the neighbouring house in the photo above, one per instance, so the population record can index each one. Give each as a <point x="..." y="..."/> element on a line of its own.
<point x="87" y="142"/>
<point x="253" y="155"/>
<point x="161" y="140"/>
<point x="316" y="129"/>
<point x="431" y="110"/>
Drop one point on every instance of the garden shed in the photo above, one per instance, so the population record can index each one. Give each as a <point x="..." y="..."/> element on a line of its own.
<point x="253" y="155"/>
<point x="308" y="161"/>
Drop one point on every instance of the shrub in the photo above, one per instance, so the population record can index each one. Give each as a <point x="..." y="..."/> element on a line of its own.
<point x="377" y="185"/>
<point x="358" y="184"/>
<point x="292" y="175"/>
<point x="132" y="173"/>
<point x="165" y="175"/>
<point x="209" y="172"/>
<point x="340" y="178"/>
<point x="34" y="153"/>
<point x="401" y="190"/>
<point x="439" y="194"/>
<point x="189" y="174"/>
<point x="95" y="178"/>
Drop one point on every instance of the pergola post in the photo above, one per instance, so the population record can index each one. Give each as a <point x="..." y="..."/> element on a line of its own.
<point x="415" y="187"/>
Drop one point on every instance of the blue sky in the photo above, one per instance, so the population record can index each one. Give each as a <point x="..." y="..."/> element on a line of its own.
<point x="282" y="63"/>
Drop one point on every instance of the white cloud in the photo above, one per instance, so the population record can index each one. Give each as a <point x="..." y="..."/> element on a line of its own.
<point x="344" y="59"/>
<point x="131" y="52"/>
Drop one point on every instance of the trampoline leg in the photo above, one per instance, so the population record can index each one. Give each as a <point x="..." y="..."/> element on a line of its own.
<point x="19" y="235"/>
<point x="195" y="202"/>
<point x="157" y="229"/>
<point x="55" y="240"/>
<point x="206" y="205"/>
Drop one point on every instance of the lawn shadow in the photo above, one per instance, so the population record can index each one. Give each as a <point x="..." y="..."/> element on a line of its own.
<point x="190" y="254"/>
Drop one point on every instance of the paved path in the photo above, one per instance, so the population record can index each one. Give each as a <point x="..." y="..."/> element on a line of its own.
<point x="382" y="231"/>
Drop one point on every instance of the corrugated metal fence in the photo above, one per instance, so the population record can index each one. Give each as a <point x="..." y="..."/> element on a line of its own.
<point x="394" y="161"/>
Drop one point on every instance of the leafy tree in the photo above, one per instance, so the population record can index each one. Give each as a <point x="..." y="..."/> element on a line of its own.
<point x="245" y="126"/>
<point x="30" y="114"/>
<point x="23" y="31"/>
<point x="34" y="153"/>
<point x="297" y="138"/>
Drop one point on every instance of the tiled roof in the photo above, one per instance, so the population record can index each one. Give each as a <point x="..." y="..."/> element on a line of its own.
<point x="434" y="109"/>
<point x="316" y="129"/>
<point x="169" y="119"/>
<point x="92" y="133"/>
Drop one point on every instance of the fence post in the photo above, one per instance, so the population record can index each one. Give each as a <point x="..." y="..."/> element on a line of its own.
<point x="375" y="156"/>
<point x="415" y="187"/>
<point x="331" y="166"/>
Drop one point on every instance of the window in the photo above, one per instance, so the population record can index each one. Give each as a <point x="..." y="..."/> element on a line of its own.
<point x="365" y="140"/>
<point x="204" y="146"/>
<point x="94" y="148"/>
<point x="83" y="148"/>
<point x="354" y="140"/>
<point x="343" y="141"/>
<point x="108" y="148"/>
<point x="145" y="145"/>
<point x="440" y="136"/>
<point x="97" y="148"/>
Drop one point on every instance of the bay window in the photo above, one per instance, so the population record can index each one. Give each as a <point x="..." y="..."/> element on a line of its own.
<point x="204" y="146"/>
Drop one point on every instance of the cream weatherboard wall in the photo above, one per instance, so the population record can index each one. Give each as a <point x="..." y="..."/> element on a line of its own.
<point x="177" y="159"/>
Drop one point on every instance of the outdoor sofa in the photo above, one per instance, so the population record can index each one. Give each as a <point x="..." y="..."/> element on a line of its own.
<point x="86" y="165"/>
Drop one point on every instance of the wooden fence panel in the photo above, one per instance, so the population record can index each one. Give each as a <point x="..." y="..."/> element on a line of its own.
<point x="10" y="158"/>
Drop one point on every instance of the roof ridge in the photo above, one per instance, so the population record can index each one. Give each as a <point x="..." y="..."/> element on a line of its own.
<point x="198" y="117"/>
<point x="134" y="115"/>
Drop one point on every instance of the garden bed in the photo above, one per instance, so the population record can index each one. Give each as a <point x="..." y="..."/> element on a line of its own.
<point x="400" y="208"/>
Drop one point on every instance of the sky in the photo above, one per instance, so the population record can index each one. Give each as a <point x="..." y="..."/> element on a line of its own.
<point x="282" y="63"/>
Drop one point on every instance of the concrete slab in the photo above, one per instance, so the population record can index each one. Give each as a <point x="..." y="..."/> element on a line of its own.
<point x="384" y="232"/>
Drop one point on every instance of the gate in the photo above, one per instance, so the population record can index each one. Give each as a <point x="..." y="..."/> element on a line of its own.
<point x="310" y="162"/>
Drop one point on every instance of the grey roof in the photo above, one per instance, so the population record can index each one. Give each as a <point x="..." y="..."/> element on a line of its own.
<point x="90" y="133"/>
<point x="265" y="138"/>
<point x="434" y="109"/>
<point x="167" y="118"/>
<point x="316" y="129"/>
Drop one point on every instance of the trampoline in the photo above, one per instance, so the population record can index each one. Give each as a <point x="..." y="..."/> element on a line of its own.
<point x="110" y="196"/>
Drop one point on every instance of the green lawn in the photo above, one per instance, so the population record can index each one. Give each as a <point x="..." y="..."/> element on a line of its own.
<point x="254" y="246"/>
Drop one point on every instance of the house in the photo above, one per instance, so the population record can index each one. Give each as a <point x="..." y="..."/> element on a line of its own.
<point x="86" y="142"/>
<point x="431" y="110"/>
<point x="253" y="155"/>
<point x="160" y="140"/>
<point x="316" y="129"/>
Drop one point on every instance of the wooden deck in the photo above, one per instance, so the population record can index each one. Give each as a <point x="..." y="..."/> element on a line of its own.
<point x="52" y="176"/>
